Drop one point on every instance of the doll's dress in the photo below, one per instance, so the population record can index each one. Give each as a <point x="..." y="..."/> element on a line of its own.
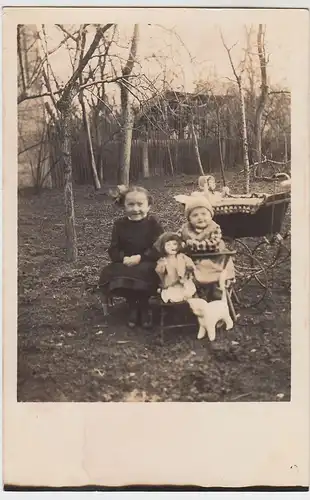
<point x="178" y="292"/>
<point x="175" y="273"/>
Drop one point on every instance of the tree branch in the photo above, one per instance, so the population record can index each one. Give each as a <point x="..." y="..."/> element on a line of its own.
<point x="72" y="81"/>
<point x="22" y="97"/>
<point x="133" y="53"/>
<point x="100" y="82"/>
<point x="69" y="35"/>
<point x="279" y="92"/>
<point x="230" y="58"/>
<point x="49" y="53"/>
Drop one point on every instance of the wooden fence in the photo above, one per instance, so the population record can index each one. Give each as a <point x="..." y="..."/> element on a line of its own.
<point x="166" y="157"/>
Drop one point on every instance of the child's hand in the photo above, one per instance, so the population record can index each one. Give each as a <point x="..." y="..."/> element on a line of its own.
<point x="132" y="261"/>
<point x="135" y="260"/>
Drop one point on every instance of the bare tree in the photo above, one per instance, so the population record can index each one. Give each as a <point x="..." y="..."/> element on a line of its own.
<point x="99" y="105"/>
<point x="127" y="112"/>
<point x="62" y="99"/>
<point x="196" y="148"/>
<point x="245" y="147"/>
<point x="70" y="90"/>
<point x="221" y="141"/>
<point x="32" y="140"/>
<point x="39" y="163"/>
<point x="80" y="47"/>
<point x="263" y="93"/>
<point x="145" y="154"/>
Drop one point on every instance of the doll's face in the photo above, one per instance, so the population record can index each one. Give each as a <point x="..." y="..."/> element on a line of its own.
<point x="200" y="217"/>
<point x="211" y="184"/>
<point x="136" y="205"/>
<point x="171" y="247"/>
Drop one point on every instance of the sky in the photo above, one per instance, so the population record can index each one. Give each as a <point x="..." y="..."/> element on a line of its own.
<point x="187" y="54"/>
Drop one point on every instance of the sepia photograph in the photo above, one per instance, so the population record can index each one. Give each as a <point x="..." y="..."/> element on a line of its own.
<point x="156" y="247"/>
<point x="154" y="202"/>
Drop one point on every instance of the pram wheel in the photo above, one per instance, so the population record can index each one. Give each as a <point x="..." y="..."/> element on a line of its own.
<point x="251" y="283"/>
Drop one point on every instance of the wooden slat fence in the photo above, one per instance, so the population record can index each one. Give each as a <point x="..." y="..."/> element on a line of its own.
<point x="181" y="159"/>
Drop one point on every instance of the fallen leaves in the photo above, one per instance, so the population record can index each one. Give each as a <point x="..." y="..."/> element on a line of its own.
<point x="102" y="356"/>
<point x="138" y="396"/>
<point x="99" y="372"/>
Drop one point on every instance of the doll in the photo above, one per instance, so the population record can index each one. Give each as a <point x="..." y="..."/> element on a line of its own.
<point x="207" y="184"/>
<point x="175" y="269"/>
<point x="207" y="188"/>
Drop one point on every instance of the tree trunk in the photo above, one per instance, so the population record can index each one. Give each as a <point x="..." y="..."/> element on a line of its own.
<point x="222" y="156"/>
<point x="245" y="148"/>
<point x="196" y="150"/>
<point x="145" y="159"/>
<point x="230" y="134"/>
<point x="220" y="145"/>
<point x="128" y="121"/>
<point x="285" y="148"/>
<point x="92" y="157"/>
<point x="90" y="142"/>
<point x="223" y="145"/>
<point x="70" y="233"/>
<point x="96" y="122"/>
<point x="127" y="113"/>
<point x="263" y="95"/>
<point x="170" y="158"/>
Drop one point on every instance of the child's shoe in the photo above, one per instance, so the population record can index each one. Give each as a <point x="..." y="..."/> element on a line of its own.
<point x="133" y="316"/>
<point x="146" y="317"/>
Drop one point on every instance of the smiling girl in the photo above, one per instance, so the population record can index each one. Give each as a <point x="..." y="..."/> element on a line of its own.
<point x="132" y="271"/>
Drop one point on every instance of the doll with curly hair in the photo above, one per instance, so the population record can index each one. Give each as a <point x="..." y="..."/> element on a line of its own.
<point x="175" y="269"/>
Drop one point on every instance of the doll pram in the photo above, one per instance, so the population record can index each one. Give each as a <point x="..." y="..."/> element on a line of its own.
<point x="252" y="226"/>
<point x="252" y="217"/>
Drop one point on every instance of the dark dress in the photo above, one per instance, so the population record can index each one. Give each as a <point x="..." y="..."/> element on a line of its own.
<point x="132" y="238"/>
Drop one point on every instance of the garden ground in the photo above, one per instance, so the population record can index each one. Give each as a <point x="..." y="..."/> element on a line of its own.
<point x="67" y="350"/>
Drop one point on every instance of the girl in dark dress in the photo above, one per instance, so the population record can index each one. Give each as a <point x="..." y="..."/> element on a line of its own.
<point x="132" y="271"/>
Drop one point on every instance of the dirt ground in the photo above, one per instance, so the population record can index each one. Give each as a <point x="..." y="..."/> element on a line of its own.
<point x="67" y="350"/>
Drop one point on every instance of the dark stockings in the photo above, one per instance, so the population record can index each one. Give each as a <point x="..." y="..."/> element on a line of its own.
<point x="138" y="303"/>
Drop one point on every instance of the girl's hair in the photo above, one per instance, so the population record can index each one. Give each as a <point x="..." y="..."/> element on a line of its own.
<point x="164" y="238"/>
<point x="132" y="189"/>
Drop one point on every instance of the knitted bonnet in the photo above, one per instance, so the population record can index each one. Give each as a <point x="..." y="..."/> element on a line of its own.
<point x="198" y="202"/>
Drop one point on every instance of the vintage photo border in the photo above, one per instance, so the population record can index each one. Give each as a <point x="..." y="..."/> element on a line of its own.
<point x="163" y="443"/>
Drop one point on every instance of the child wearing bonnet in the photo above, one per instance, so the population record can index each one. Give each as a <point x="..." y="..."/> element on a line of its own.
<point x="202" y="233"/>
